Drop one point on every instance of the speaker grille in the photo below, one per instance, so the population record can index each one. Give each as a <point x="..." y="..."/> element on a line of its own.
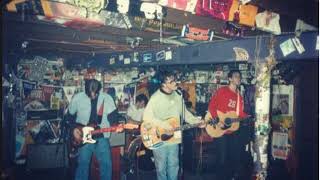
<point x="44" y="156"/>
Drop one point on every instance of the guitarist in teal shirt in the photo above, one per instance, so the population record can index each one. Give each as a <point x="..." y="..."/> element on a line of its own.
<point x="95" y="108"/>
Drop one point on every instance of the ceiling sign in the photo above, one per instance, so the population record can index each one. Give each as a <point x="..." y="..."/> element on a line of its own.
<point x="154" y="25"/>
<point x="72" y="16"/>
<point x="196" y="33"/>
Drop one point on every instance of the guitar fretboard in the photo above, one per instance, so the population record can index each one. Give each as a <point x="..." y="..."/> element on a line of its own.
<point x="103" y="130"/>
<point x="186" y="126"/>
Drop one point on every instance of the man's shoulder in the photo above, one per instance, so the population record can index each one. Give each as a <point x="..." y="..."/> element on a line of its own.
<point x="223" y="88"/>
<point x="155" y="95"/>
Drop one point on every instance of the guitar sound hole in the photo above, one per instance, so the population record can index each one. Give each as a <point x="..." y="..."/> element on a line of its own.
<point x="227" y="122"/>
<point x="165" y="137"/>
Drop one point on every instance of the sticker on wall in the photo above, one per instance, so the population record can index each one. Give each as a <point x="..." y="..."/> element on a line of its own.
<point x="298" y="45"/>
<point x="121" y="57"/>
<point x="112" y="60"/>
<point x="241" y="54"/>
<point x="168" y="55"/>
<point x="69" y="91"/>
<point x="135" y="57"/>
<point x="280" y="145"/>
<point x="126" y="61"/>
<point x="28" y="87"/>
<point x="287" y="47"/>
<point x="147" y="57"/>
<point x="243" y="67"/>
<point x="161" y="55"/>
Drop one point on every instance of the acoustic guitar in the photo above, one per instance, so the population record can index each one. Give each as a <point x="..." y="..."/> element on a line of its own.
<point x="226" y="122"/>
<point x="154" y="137"/>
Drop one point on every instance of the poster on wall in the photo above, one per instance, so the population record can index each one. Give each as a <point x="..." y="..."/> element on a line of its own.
<point x="282" y="100"/>
<point x="280" y="145"/>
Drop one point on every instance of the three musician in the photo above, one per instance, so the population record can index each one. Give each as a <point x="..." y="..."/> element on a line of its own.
<point x="162" y="116"/>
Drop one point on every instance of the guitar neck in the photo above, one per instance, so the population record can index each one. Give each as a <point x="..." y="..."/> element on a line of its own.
<point x="103" y="130"/>
<point x="233" y="120"/>
<point x="186" y="126"/>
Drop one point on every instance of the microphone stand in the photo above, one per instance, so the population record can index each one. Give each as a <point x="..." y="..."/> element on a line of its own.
<point x="181" y="145"/>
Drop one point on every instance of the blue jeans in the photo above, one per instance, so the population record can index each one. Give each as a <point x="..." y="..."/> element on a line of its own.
<point x="167" y="162"/>
<point x="101" y="149"/>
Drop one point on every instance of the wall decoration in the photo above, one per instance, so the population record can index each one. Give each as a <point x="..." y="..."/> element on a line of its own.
<point x="112" y="60"/>
<point x="168" y="55"/>
<point x="161" y="55"/>
<point x="282" y="101"/>
<point x="69" y="91"/>
<point x="268" y="21"/>
<point x="215" y="8"/>
<point x="151" y="10"/>
<point x="298" y="45"/>
<point x="241" y="54"/>
<point x="126" y="61"/>
<point x="247" y="15"/>
<point x="287" y="47"/>
<point x="28" y="87"/>
<point x="147" y="57"/>
<point x="196" y="33"/>
<point x="183" y="5"/>
<point x="135" y="57"/>
<point x="279" y="145"/>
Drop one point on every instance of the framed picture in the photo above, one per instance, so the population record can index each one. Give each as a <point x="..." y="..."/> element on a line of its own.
<point x="282" y="100"/>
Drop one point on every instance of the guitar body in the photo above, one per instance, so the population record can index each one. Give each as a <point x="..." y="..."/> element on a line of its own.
<point x="154" y="137"/>
<point x="219" y="129"/>
<point x="81" y="135"/>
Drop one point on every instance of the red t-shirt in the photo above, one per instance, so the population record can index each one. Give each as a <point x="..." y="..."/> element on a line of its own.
<point x="226" y="100"/>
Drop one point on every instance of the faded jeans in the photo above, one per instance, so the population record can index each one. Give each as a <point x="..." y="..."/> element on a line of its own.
<point x="167" y="162"/>
<point x="101" y="149"/>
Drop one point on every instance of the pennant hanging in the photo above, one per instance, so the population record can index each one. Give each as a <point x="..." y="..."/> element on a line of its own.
<point x="46" y="92"/>
<point x="69" y="92"/>
<point x="28" y="87"/>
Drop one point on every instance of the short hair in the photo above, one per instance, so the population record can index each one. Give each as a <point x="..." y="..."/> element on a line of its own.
<point x="142" y="97"/>
<point x="164" y="75"/>
<point x="92" y="85"/>
<point x="231" y="72"/>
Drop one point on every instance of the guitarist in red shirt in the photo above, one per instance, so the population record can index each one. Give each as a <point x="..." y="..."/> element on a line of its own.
<point x="228" y="100"/>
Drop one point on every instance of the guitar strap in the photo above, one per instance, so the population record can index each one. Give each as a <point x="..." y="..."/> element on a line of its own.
<point x="96" y="117"/>
<point x="238" y="104"/>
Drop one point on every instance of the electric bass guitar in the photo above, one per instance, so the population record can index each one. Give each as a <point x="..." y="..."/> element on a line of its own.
<point x="226" y="122"/>
<point x="83" y="134"/>
<point x="154" y="137"/>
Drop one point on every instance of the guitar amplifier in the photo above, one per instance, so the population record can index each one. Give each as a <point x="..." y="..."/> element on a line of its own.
<point x="42" y="114"/>
<point x="46" y="156"/>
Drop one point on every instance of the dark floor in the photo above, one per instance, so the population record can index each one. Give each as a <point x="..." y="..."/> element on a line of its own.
<point x="20" y="173"/>
<point x="129" y="172"/>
